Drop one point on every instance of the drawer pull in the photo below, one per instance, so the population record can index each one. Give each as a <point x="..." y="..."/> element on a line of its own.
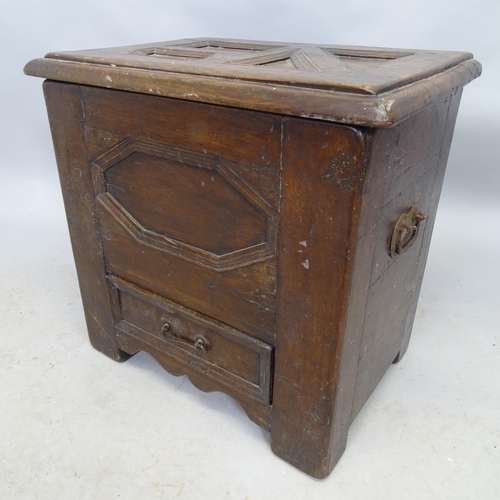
<point x="201" y="344"/>
<point x="167" y="328"/>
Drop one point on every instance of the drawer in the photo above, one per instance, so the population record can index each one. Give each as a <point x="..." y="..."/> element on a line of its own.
<point x="219" y="351"/>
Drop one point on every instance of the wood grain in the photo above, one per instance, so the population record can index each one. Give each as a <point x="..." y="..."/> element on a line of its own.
<point x="393" y="284"/>
<point x="373" y="87"/>
<point x="231" y="357"/>
<point x="230" y="133"/>
<point x="320" y="202"/>
<point x="194" y="205"/>
<point x="243" y="298"/>
<point x="68" y="135"/>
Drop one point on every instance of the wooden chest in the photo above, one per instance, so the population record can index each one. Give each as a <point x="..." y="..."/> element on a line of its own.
<point x="256" y="215"/>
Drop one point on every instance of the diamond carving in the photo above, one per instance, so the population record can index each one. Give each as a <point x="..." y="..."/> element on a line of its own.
<point x="352" y="69"/>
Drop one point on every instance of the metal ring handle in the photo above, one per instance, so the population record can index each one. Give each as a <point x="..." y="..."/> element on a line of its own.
<point x="406" y="230"/>
<point x="200" y="344"/>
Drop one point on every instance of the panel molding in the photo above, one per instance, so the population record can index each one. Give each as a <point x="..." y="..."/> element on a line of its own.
<point x="226" y="262"/>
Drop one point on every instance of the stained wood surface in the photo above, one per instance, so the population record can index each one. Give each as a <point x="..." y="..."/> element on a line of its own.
<point x="317" y="235"/>
<point x="199" y="224"/>
<point x="258" y="412"/>
<point x="431" y="217"/>
<point x="370" y="321"/>
<point x="355" y="85"/>
<point x="158" y="166"/>
<point x="242" y="136"/>
<point x="412" y="171"/>
<point x="243" y="298"/>
<point x="360" y="70"/>
<point x="230" y="357"/>
<point x="119" y="326"/>
<point x="194" y="205"/>
<point x="68" y="134"/>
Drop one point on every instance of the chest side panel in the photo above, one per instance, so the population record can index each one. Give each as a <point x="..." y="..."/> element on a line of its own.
<point x="410" y="172"/>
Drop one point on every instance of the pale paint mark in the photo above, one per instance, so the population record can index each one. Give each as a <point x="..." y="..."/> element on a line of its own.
<point x="383" y="108"/>
<point x="303" y="243"/>
<point x="108" y="78"/>
<point x="306" y="264"/>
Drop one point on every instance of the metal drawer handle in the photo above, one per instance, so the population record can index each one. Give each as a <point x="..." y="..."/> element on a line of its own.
<point x="199" y="343"/>
<point x="167" y="328"/>
<point x="406" y="230"/>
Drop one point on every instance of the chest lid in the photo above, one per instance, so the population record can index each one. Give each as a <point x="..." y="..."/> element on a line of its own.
<point x="354" y="85"/>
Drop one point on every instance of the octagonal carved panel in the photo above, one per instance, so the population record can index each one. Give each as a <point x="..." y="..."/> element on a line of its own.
<point x="186" y="203"/>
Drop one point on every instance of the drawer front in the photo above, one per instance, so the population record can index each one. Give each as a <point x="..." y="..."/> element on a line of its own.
<point x="187" y="197"/>
<point x="219" y="351"/>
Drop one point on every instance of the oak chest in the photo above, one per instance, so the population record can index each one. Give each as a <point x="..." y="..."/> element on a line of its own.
<point x="256" y="215"/>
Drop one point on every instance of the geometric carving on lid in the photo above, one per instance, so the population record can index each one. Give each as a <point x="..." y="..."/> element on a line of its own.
<point x="306" y="58"/>
<point x="352" y="69"/>
<point x="369" y="86"/>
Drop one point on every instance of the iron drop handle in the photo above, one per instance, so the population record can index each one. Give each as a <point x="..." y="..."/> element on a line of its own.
<point x="199" y="343"/>
<point x="406" y="230"/>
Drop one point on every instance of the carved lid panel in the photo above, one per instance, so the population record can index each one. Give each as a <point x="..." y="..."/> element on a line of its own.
<point x="297" y="79"/>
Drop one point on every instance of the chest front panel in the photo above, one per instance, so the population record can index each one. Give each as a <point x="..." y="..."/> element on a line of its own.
<point x="187" y="197"/>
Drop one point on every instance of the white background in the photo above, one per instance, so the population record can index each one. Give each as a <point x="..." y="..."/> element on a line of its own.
<point x="74" y="424"/>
